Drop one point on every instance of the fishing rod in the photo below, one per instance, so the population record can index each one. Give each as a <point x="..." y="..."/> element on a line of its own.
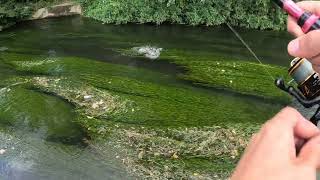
<point x="306" y="20"/>
<point x="308" y="81"/>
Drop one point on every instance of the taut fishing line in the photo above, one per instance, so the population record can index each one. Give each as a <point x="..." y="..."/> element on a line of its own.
<point x="249" y="49"/>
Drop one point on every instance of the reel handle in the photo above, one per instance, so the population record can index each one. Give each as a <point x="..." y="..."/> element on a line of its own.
<point x="302" y="100"/>
<point x="315" y="118"/>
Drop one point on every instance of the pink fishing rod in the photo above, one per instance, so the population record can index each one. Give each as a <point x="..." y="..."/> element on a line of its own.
<point x="306" y="20"/>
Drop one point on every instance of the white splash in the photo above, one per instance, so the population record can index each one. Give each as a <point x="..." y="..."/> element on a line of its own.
<point x="148" y="51"/>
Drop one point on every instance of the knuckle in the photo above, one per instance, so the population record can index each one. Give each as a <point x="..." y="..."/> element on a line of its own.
<point x="288" y="110"/>
<point x="310" y="43"/>
<point x="285" y="115"/>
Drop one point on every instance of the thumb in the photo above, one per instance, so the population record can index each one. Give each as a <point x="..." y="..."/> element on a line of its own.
<point x="310" y="153"/>
<point x="306" y="46"/>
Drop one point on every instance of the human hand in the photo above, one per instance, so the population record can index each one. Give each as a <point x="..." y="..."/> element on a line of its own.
<point x="306" y="45"/>
<point x="271" y="153"/>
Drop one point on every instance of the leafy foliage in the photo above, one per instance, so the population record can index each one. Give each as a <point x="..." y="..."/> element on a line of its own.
<point x="258" y="14"/>
<point x="12" y="11"/>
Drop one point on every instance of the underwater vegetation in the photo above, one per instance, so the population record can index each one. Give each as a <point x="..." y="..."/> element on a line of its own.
<point x="58" y="126"/>
<point x="81" y="99"/>
<point x="163" y="127"/>
<point x="245" y="77"/>
<point x="146" y="88"/>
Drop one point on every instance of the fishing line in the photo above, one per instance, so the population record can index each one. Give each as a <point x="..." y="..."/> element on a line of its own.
<point x="249" y="49"/>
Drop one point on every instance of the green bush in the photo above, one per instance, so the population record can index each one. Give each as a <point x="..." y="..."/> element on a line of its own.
<point x="257" y="14"/>
<point x="12" y="11"/>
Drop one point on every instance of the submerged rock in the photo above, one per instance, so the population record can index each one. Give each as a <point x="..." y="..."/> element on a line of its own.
<point x="66" y="9"/>
<point x="148" y="51"/>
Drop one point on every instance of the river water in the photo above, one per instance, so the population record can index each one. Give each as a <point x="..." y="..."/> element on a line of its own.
<point x="38" y="134"/>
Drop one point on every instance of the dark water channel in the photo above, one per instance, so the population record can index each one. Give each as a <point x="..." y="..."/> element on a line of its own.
<point x="38" y="133"/>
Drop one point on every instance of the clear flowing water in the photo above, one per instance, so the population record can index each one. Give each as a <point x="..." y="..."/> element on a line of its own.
<point x="38" y="131"/>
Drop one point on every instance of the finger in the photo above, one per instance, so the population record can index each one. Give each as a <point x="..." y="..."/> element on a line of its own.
<point x="306" y="46"/>
<point x="316" y="67"/>
<point x="304" y="129"/>
<point x="310" y="153"/>
<point x="280" y="130"/>
<point x="250" y="149"/>
<point x="254" y="140"/>
<point x="316" y="60"/>
<point x="299" y="143"/>
<point x="297" y="140"/>
<point x="311" y="6"/>
<point x="293" y="28"/>
<point x="285" y="120"/>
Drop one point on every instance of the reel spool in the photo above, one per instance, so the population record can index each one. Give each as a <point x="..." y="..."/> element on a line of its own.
<point x="308" y="85"/>
<point x="307" y="79"/>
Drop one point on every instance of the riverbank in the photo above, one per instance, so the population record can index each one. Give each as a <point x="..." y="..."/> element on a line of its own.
<point x="259" y="14"/>
<point x="14" y="12"/>
<point x="60" y="10"/>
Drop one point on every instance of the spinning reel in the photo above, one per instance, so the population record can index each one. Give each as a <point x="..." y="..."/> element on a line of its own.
<point x="308" y="92"/>
<point x="308" y="85"/>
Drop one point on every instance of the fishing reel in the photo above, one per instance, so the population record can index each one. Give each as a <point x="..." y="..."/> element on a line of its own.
<point x="308" y="85"/>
